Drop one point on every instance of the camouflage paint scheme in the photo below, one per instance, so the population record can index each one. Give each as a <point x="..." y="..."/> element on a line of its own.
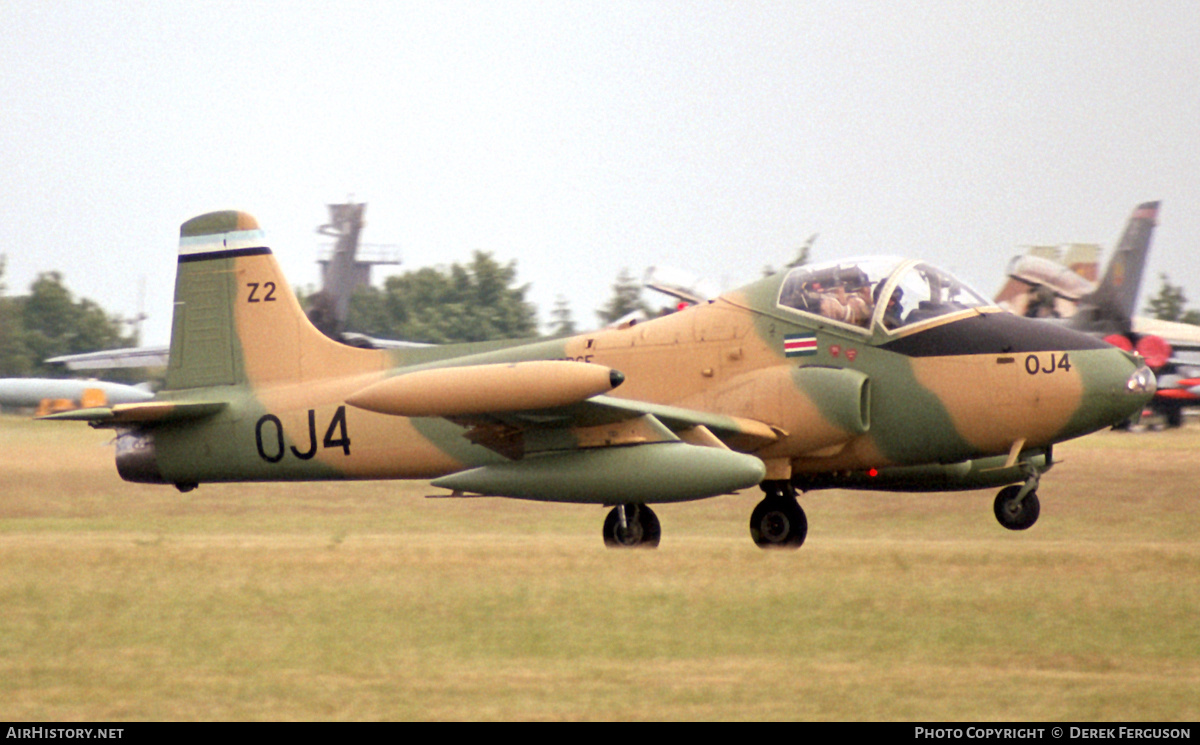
<point x="691" y="405"/>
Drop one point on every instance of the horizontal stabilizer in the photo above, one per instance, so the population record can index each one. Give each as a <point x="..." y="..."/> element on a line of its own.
<point x="142" y="413"/>
<point x="487" y="389"/>
<point x="659" y="472"/>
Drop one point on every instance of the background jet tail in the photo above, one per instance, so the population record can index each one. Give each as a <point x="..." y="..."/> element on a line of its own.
<point x="1110" y="308"/>
<point x="236" y="319"/>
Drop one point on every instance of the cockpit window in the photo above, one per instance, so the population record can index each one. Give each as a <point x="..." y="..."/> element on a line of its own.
<point x="849" y="292"/>
<point x="845" y="292"/>
<point x="924" y="292"/>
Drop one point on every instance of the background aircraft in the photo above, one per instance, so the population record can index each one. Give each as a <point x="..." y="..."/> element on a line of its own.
<point x="884" y="371"/>
<point x="60" y="394"/>
<point x="1050" y="283"/>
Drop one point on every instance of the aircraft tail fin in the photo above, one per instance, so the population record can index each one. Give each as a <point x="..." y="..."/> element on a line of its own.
<point x="236" y="319"/>
<point x="1113" y="303"/>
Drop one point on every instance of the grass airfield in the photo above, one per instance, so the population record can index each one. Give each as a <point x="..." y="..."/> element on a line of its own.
<point x="353" y="601"/>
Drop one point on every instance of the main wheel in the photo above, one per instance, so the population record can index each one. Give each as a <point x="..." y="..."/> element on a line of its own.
<point x="778" y="522"/>
<point x="1016" y="515"/>
<point x="641" y="530"/>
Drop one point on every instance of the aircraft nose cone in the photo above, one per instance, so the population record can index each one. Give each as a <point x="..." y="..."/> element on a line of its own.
<point x="1117" y="388"/>
<point x="1142" y="381"/>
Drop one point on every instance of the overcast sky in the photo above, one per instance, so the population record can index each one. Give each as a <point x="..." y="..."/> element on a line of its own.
<point x="579" y="138"/>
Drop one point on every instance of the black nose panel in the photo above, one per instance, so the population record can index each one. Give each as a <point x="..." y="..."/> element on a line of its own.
<point x="993" y="333"/>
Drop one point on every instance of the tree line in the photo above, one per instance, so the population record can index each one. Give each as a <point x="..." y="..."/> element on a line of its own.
<point x="48" y="322"/>
<point x="474" y="301"/>
<point x="1170" y="304"/>
<point x="478" y="300"/>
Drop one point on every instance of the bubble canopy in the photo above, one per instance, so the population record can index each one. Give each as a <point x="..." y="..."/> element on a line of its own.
<point x="887" y="291"/>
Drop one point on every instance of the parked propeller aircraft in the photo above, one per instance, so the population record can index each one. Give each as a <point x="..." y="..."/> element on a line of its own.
<point x="879" y="373"/>
<point x="1066" y="292"/>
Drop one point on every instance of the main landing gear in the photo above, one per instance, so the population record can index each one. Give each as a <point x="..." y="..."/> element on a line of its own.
<point x="632" y="526"/>
<point x="1017" y="506"/>
<point x="778" y="521"/>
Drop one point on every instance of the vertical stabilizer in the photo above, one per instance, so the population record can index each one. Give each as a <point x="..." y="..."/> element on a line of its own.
<point x="1110" y="308"/>
<point x="236" y="319"/>
<point x="202" y="336"/>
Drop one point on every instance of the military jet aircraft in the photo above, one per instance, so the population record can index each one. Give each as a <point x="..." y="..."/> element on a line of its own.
<point x="1065" y="292"/>
<point x="883" y="372"/>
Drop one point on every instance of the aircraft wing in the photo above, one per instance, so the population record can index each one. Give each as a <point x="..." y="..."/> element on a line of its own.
<point x="372" y="342"/>
<point x="679" y="284"/>
<point x="1179" y="335"/>
<point x="690" y="425"/>
<point x="113" y="358"/>
<point x="564" y="439"/>
<point x="549" y="395"/>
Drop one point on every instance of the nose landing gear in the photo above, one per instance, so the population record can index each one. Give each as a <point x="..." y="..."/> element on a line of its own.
<point x="1017" y="506"/>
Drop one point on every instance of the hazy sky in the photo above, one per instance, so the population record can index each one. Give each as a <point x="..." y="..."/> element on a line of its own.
<point x="578" y="138"/>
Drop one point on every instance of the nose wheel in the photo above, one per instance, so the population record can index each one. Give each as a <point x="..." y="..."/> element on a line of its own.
<point x="1015" y="512"/>
<point x="1017" y="506"/>
<point x="778" y="521"/>
<point x="632" y="526"/>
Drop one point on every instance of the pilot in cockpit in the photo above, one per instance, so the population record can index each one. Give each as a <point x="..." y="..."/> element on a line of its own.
<point x="850" y="291"/>
<point x="843" y="295"/>
<point x="893" y="314"/>
<point x="849" y="300"/>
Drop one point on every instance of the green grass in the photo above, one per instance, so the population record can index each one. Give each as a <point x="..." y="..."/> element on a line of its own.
<point x="367" y="601"/>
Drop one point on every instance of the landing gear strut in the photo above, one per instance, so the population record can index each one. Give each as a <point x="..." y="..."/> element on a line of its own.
<point x="1017" y="507"/>
<point x="778" y="521"/>
<point x="631" y="526"/>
